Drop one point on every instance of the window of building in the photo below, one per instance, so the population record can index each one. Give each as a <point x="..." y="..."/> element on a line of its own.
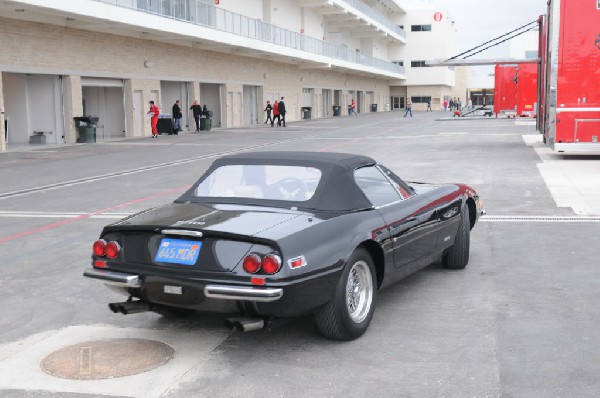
<point x="420" y="28"/>
<point x="420" y="100"/>
<point x="401" y="63"/>
<point x="418" y="64"/>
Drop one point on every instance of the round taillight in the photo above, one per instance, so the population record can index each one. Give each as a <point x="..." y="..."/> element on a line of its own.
<point x="100" y="247"/>
<point x="271" y="263"/>
<point x="112" y="249"/>
<point x="251" y="263"/>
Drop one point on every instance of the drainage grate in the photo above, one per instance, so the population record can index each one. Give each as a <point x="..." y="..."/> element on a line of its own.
<point x="488" y="218"/>
<point x="106" y="359"/>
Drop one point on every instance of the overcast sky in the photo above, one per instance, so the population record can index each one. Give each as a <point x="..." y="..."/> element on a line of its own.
<point x="478" y="21"/>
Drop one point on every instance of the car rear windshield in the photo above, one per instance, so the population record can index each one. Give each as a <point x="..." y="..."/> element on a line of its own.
<point x="271" y="182"/>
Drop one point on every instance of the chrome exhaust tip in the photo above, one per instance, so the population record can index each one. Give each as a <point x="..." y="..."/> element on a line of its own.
<point x="245" y="324"/>
<point x="129" y="307"/>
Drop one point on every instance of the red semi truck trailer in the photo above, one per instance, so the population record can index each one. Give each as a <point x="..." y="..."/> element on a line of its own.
<point x="516" y="89"/>
<point x="569" y="89"/>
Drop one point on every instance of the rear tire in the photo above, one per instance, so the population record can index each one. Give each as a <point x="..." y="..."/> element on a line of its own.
<point x="348" y="314"/>
<point x="457" y="256"/>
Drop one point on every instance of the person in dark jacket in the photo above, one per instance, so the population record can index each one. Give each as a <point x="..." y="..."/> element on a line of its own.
<point x="268" y="109"/>
<point x="177" y="115"/>
<point x="197" y="111"/>
<point x="282" y="111"/>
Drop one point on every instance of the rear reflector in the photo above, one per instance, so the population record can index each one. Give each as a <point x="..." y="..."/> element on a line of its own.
<point x="297" y="262"/>
<point x="100" y="264"/>
<point x="99" y="247"/>
<point x="257" y="281"/>
<point x="251" y="263"/>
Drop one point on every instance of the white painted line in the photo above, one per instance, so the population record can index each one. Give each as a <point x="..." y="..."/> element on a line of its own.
<point x="100" y="177"/>
<point x="39" y="214"/>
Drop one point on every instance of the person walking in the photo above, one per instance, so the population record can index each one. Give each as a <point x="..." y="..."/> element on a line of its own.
<point x="276" y="114"/>
<point x="408" y="107"/>
<point x="451" y="104"/>
<point x="269" y="109"/>
<point x="177" y="115"/>
<point x="459" y="104"/>
<point x="282" y="111"/>
<point x="429" y="106"/>
<point x="445" y="105"/>
<point x="153" y="113"/>
<point x="470" y="104"/>
<point x="197" y="111"/>
<point x="353" y="108"/>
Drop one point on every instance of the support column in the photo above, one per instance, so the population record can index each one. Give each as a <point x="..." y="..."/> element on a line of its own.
<point x="129" y="109"/>
<point x="73" y="100"/>
<point x="2" y="130"/>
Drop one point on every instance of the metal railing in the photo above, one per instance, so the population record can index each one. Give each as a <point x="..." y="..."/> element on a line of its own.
<point x="202" y="14"/>
<point x="376" y="15"/>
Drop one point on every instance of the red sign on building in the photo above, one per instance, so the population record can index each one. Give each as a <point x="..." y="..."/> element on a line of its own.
<point x="437" y="17"/>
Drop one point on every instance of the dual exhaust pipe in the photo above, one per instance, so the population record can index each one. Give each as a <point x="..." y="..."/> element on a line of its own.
<point x="130" y="307"/>
<point x="241" y="324"/>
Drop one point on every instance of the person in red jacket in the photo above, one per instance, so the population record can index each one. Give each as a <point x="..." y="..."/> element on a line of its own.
<point x="276" y="114"/>
<point x="154" y="112"/>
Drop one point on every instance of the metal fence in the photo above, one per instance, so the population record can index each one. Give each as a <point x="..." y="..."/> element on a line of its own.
<point x="203" y="14"/>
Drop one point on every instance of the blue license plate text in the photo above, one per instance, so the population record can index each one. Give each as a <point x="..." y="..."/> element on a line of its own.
<point x="177" y="251"/>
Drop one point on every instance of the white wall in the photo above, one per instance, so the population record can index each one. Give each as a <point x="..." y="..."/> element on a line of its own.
<point x="249" y="8"/>
<point x="15" y="105"/>
<point x="439" y="43"/>
<point x="32" y="103"/>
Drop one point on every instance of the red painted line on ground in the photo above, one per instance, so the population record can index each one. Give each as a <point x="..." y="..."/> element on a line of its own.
<point x="85" y="216"/>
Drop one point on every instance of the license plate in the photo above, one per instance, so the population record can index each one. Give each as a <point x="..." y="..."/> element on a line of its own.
<point x="168" y="289"/>
<point x="177" y="251"/>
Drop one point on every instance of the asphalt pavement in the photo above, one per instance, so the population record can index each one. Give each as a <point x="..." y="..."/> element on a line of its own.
<point x="520" y="321"/>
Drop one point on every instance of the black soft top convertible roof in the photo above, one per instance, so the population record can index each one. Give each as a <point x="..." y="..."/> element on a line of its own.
<point x="337" y="190"/>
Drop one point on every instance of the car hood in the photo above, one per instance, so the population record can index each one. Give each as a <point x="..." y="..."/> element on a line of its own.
<point x="233" y="219"/>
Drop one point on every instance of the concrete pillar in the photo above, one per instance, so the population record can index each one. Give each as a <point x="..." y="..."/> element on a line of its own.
<point x="128" y="94"/>
<point x="73" y="100"/>
<point x="2" y="131"/>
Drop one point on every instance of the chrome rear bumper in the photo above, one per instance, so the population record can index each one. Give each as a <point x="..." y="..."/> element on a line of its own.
<point x="223" y="292"/>
<point x="243" y="293"/>
<point x="114" y="278"/>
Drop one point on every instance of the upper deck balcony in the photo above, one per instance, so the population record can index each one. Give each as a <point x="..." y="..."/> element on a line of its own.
<point x="357" y="17"/>
<point x="197" y="24"/>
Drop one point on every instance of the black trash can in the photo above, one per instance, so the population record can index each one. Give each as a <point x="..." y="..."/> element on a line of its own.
<point x="306" y="112"/>
<point x="164" y="124"/>
<point x="206" y="121"/>
<point x="337" y="110"/>
<point x="373" y="107"/>
<point x="86" y="126"/>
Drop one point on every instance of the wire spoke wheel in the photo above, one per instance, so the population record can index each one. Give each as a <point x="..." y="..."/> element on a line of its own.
<point x="349" y="312"/>
<point x="359" y="291"/>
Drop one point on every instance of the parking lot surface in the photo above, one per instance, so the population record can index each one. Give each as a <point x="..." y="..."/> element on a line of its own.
<point x="520" y="321"/>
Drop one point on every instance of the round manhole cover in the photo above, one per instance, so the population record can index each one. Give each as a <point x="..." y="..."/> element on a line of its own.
<point x="105" y="359"/>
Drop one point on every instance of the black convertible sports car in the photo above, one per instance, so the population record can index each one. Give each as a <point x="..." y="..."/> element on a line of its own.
<point x="278" y="234"/>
